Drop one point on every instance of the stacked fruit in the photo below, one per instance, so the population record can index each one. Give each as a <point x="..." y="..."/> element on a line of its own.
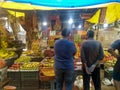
<point x="15" y="66"/>
<point x="2" y="63"/>
<point x="28" y="52"/>
<point x="30" y="66"/>
<point x="35" y="45"/>
<point x="77" y="55"/>
<point x="109" y="60"/>
<point x="4" y="44"/>
<point x="77" y="38"/>
<point x="6" y="54"/>
<point x="23" y="59"/>
<point x="49" y="53"/>
<point x="47" y="63"/>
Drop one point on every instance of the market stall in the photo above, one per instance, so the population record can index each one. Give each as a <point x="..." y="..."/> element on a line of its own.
<point x="33" y="63"/>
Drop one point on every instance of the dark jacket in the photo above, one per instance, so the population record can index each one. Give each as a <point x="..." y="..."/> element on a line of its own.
<point x="91" y="51"/>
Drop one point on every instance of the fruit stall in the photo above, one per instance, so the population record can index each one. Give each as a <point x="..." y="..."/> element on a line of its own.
<point x="32" y="64"/>
<point x="35" y="67"/>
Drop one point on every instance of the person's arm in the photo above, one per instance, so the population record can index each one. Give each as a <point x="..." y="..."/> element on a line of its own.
<point x="115" y="45"/>
<point x="74" y="49"/>
<point x="112" y="52"/>
<point x="84" y="61"/>
<point x="100" y="57"/>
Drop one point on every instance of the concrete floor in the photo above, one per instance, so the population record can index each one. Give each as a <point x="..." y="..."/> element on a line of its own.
<point x="104" y="87"/>
<point x="107" y="87"/>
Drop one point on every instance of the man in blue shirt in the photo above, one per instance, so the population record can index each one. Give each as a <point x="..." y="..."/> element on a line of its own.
<point x="91" y="54"/>
<point x="116" y="71"/>
<point x="64" y="64"/>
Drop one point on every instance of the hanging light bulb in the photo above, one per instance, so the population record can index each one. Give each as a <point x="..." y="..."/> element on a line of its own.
<point x="44" y="23"/>
<point x="105" y="25"/>
<point x="70" y="21"/>
<point x="79" y="26"/>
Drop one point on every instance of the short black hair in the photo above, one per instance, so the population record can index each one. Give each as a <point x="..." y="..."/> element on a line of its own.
<point x="90" y="34"/>
<point x="65" y="32"/>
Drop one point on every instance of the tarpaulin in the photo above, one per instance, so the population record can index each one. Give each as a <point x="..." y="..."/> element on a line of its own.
<point x="112" y="14"/>
<point x="16" y="14"/>
<point x="22" y="6"/>
<point x="66" y="3"/>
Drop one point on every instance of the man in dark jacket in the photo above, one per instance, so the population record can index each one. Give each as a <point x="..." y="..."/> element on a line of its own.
<point x="116" y="71"/>
<point x="64" y="65"/>
<point x="91" y="54"/>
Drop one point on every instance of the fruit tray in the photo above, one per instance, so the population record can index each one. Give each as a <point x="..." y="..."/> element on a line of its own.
<point x="47" y="71"/>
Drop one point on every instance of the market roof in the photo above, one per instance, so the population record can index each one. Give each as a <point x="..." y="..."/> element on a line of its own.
<point x="54" y="4"/>
<point x="66" y="3"/>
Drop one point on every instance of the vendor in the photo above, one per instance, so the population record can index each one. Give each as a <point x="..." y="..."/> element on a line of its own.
<point x="116" y="72"/>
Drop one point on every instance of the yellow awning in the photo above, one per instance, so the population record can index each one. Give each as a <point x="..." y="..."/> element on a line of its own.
<point x="112" y="14"/>
<point x="95" y="18"/>
<point x="16" y="14"/>
<point x="21" y="6"/>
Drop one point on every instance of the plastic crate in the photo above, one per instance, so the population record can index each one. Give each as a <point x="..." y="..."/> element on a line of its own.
<point x="108" y="74"/>
<point x="15" y="83"/>
<point x="29" y="88"/>
<point x="14" y="75"/>
<point x="44" y="85"/>
<point x="30" y="84"/>
<point x="29" y="75"/>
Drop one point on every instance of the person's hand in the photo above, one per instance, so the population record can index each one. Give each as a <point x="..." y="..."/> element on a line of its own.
<point x="91" y="69"/>
<point x="87" y="70"/>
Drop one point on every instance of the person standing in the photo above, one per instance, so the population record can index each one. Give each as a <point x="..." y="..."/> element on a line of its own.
<point x="91" y="54"/>
<point x="64" y="64"/>
<point x="116" y="71"/>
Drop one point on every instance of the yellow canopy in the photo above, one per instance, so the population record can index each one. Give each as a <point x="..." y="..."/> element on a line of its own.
<point x="16" y="14"/>
<point x="21" y="6"/>
<point x="95" y="18"/>
<point x="112" y="14"/>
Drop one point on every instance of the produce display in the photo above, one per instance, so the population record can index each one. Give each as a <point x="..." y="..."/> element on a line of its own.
<point x="47" y="63"/>
<point x="15" y="66"/>
<point x="25" y="66"/>
<point x="77" y="55"/>
<point x="6" y="54"/>
<point x="47" y="68"/>
<point x="49" y="53"/>
<point x="47" y="72"/>
<point x="109" y="60"/>
<point x="23" y="59"/>
<point x="52" y="39"/>
<point x="30" y="66"/>
<point x="2" y="63"/>
<point x="77" y="38"/>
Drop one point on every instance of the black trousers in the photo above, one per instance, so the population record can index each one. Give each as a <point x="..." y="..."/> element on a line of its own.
<point x="95" y="78"/>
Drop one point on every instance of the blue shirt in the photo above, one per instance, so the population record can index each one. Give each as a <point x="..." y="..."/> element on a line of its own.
<point x="116" y="46"/>
<point x="64" y="53"/>
<point x="116" y="76"/>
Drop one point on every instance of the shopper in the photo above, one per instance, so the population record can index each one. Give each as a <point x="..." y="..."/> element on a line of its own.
<point x="116" y="71"/>
<point x="91" y="54"/>
<point x="64" y="65"/>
